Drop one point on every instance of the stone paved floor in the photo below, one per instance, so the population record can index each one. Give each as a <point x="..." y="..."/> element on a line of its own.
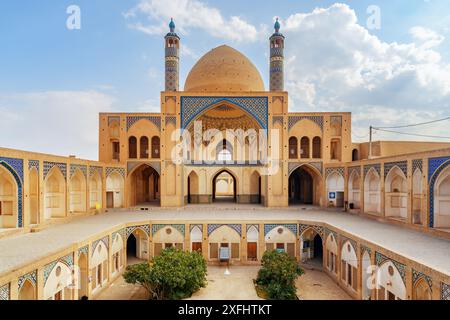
<point x="316" y="285"/>
<point x="22" y="249"/>
<point x="238" y="285"/>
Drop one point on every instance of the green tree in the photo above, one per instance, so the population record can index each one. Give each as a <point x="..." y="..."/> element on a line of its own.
<point x="278" y="274"/>
<point x="172" y="275"/>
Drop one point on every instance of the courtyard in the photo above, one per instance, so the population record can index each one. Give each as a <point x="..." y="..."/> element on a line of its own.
<point x="237" y="285"/>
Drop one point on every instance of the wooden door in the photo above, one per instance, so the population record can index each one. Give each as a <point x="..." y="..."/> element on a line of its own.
<point x="252" y="251"/>
<point x="110" y="199"/>
<point x="197" y="246"/>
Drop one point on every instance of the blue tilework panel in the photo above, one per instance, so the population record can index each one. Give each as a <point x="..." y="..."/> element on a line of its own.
<point x="235" y="227"/>
<point x="191" y="107"/>
<point x="180" y="227"/>
<point x="4" y="292"/>
<point x="15" y="167"/>
<point x="381" y="258"/>
<point x="435" y="167"/>
<point x="269" y="227"/>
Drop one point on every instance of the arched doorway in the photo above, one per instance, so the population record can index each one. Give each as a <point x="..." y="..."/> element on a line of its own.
<point x="192" y="185"/>
<point x="114" y="190"/>
<point x="224" y="187"/>
<point x="303" y="186"/>
<point x="34" y="196"/>
<point x="8" y="200"/>
<point x="366" y="276"/>
<point x="282" y="239"/>
<point x="27" y="291"/>
<point x="417" y="197"/>
<point x="83" y="276"/>
<point x="335" y="190"/>
<point x="137" y="247"/>
<point x="311" y="244"/>
<point x="390" y="284"/>
<point x="318" y="248"/>
<point x="145" y="186"/>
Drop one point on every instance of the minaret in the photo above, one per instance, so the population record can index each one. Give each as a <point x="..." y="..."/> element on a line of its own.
<point x="277" y="59"/>
<point x="172" y="56"/>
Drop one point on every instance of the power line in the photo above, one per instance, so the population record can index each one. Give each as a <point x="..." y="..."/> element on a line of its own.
<point x="412" y="134"/>
<point x="414" y="125"/>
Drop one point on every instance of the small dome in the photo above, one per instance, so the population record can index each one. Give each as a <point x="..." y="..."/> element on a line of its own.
<point x="224" y="69"/>
<point x="277" y="26"/>
<point x="172" y="25"/>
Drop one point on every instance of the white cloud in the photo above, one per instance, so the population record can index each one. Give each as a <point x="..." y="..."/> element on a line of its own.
<point x="66" y="121"/>
<point x="190" y="14"/>
<point x="333" y="63"/>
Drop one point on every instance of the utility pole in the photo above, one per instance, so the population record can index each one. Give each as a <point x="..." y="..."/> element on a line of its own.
<point x="370" y="142"/>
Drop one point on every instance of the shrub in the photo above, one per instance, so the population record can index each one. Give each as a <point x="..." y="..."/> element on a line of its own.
<point x="277" y="275"/>
<point x="172" y="275"/>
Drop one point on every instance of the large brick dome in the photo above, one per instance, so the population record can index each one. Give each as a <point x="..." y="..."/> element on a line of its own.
<point x="224" y="69"/>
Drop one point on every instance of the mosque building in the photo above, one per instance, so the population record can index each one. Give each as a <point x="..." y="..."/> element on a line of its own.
<point x="224" y="140"/>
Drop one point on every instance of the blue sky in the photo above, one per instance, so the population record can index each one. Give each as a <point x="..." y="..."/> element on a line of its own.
<point x="115" y="62"/>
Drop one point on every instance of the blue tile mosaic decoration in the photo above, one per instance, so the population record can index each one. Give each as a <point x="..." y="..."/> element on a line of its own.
<point x="49" y="165"/>
<point x="318" y="229"/>
<point x="376" y="167"/>
<point x="192" y="107"/>
<point x="403" y="165"/>
<point x="4" y="292"/>
<point x="33" y="164"/>
<point x="105" y="241"/>
<point x="192" y="226"/>
<point x="329" y="171"/>
<point x="417" y="275"/>
<point x="156" y="120"/>
<point x="122" y="233"/>
<point x="316" y="119"/>
<point x="291" y="227"/>
<point x="144" y="227"/>
<point x="356" y="169"/>
<point x="67" y="260"/>
<point x="93" y="169"/>
<point x="328" y="231"/>
<point x="180" y="227"/>
<point x="110" y="170"/>
<point x="171" y="120"/>
<point x="381" y="259"/>
<point x="15" y="167"/>
<point x="435" y="167"/>
<point x="80" y="167"/>
<point x="352" y="242"/>
<point x="417" y="164"/>
<point x="445" y="291"/>
<point x="84" y="250"/>
<point x="363" y="249"/>
<point x="277" y="119"/>
<point x="253" y="225"/>
<point x="31" y="276"/>
<point x="235" y="227"/>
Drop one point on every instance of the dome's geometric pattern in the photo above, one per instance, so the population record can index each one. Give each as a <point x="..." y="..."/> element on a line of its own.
<point x="224" y="69"/>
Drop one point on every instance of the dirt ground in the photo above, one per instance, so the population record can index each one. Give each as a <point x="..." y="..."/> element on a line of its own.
<point x="316" y="285"/>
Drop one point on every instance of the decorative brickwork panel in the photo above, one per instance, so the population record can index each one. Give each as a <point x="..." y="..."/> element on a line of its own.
<point x="156" y="120"/>
<point x="403" y="165"/>
<point x="316" y="119"/>
<point x="291" y="227"/>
